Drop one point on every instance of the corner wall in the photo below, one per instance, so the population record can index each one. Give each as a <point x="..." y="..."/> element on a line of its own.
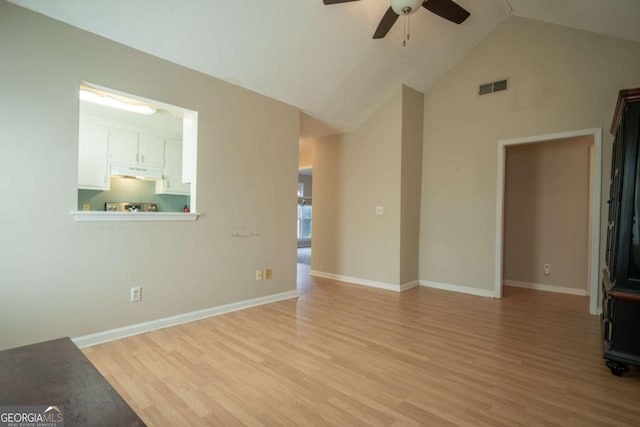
<point x="411" y="170"/>
<point x="352" y="174"/>
<point x="560" y="80"/>
<point x="377" y="165"/>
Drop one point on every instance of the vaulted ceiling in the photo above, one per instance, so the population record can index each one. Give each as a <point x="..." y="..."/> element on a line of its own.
<point x="320" y="58"/>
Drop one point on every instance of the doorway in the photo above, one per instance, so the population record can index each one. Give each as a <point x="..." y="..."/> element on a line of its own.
<point x="594" y="201"/>
<point x="305" y="215"/>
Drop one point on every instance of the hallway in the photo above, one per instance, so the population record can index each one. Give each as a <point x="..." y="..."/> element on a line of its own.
<point x="304" y="256"/>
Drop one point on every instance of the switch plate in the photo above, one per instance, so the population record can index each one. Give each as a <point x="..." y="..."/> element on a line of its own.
<point x="136" y="294"/>
<point x="547" y="269"/>
<point x="267" y="274"/>
<point x="258" y="274"/>
<point x="379" y="210"/>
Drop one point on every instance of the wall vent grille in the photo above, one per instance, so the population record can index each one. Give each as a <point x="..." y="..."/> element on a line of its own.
<point x="493" y="87"/>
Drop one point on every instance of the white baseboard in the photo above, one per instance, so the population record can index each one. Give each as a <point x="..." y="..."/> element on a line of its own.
<point x="546" y="288"/>
<point x="140" y="328"/>
<point x="490" y="293"/>
<point x="409" y="285"/>
<point x="365" y="282"/>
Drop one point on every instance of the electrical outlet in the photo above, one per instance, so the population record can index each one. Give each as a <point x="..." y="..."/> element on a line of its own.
<point x="136" y="294"/>
<point x="267" y="274"/>
<point x="547" y="269"/>
<point x="258" y="274"/>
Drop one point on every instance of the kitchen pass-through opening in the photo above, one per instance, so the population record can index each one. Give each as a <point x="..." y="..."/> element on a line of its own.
<point x="136" y="153"/>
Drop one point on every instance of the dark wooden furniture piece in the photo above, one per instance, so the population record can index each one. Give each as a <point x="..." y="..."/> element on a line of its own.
<point x="58" y="373"/>
<point x="621" y="282"/>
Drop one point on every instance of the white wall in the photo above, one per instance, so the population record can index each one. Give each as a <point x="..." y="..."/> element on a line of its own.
<point x="62" y="278"/>
<point x="560" y="80"/>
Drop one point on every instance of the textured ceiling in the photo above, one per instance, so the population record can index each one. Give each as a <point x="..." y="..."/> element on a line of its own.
<point x="319" y="58"/>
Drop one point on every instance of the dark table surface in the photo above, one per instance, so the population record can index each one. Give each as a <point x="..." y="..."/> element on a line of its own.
<point x="58" y="373"/>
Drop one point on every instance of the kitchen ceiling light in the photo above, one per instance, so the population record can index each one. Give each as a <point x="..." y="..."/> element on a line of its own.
<point x="89" y="96"/>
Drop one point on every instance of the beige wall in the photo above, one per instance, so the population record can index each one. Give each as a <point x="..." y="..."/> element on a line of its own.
<point x="62" y="278"/>
<point x="546" y="213"/>
<point x="560" y="80"/>
<point x="305" y="156"/>
<point x="411" y="171"/>
<point x="377" y="165"/>
<point x="352" y="174"/>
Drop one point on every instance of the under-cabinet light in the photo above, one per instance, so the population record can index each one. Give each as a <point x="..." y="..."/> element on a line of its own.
<point x="86" y="95"/>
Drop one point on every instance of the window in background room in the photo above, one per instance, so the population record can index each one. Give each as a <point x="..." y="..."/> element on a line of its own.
<point x="304" y="215"/>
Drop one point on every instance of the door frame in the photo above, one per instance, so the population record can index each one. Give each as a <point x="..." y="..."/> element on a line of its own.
<point x="594" y="250"/>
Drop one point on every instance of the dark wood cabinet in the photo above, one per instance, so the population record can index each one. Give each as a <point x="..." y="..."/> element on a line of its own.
<point x="621" y="282"/>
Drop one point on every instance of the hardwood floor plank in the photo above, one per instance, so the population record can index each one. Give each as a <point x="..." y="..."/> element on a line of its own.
<point x="349" y="355"/>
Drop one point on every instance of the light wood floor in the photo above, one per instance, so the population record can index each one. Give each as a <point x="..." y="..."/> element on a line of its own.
<point x="351" y="355"/>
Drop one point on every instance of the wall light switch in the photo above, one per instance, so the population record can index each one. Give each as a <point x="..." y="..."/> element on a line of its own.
<point x="379" y="210"/>
<point x="258" y="274"/>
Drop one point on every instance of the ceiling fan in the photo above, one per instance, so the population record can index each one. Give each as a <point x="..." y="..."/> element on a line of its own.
<point x="446" y="9"/>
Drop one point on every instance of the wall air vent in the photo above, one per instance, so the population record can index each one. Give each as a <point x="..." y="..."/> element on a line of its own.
<point x="493" y="87"/>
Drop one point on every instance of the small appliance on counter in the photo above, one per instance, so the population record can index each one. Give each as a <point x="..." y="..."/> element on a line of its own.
<point x="130" y="207"/>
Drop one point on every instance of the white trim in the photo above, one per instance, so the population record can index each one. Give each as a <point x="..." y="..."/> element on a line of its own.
<point x="100" y="216"/>
<point x="409" y="285"/>
<point x="364" y="282"/>
<point x="499" y="217"/>
<point x="458" y="288"/>
<point x="140" y="328"/>
<point x="594" y="251"/>
<point x="545" y="288"/>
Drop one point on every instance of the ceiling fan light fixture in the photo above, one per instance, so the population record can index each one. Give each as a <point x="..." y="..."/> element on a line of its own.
<point x="405" y="7"/>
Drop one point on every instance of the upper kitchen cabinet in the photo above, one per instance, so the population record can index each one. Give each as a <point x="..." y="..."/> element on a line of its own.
<point x="93" y="165"/>
<point x="123" y="146"/>
<point x="151" y="150"/>
<point x="172" y="179"/>
<point x="134" y="148"/>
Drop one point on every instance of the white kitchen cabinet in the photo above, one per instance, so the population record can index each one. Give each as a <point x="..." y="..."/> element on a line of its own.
<point x="151" y="150"/>
<point x="93" y="157"/>
<point x="172" y="180"/>
<point x="123" y="146"/>
<point x="136" y="149"/>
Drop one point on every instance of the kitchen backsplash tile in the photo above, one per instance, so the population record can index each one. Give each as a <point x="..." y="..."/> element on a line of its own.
<point x="131" y="190"/>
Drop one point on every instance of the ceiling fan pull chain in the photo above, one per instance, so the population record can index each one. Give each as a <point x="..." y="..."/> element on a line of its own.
<point x="447" y="9"/>
<point x="406" y="32"/>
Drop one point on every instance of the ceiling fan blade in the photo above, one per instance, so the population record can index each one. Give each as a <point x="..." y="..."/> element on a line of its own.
<point x="336" y="1"/>
<point x="387" y="21"/>
<point x="447" y="9"/>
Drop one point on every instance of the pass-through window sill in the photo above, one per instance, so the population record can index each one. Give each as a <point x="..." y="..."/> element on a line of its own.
<point x="98" y="216"/>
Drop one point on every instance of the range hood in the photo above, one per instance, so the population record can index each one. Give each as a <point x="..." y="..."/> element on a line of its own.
<point x="150" y="174"/>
